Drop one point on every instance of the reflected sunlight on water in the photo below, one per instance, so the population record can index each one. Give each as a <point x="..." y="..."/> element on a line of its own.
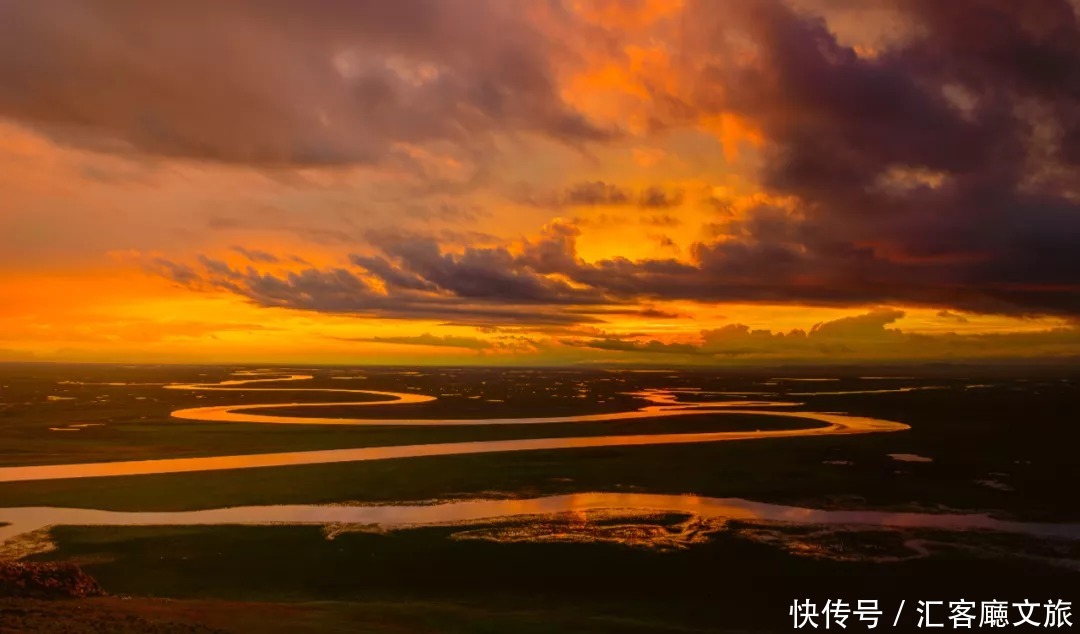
<point x="27" y="519"/>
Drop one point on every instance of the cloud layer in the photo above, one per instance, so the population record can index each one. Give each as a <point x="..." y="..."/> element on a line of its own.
<point x="551" y="165"/>
<point x="279" y="82"/>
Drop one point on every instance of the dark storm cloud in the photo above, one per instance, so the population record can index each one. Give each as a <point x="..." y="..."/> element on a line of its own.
<point x="391" y="275"/>
<point x="923" y="173"/>
<point x="940" y="170"/>
<point x="768" y="260"/>
<point x="276" y="82"/>
<point x="478" y="292"/>
<point x="492" y="274"/>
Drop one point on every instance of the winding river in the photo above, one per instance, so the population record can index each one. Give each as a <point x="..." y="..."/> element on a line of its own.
<point x="661" y="403"/>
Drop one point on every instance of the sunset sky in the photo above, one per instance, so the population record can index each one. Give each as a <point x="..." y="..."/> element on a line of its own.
<point x="532" y="182"/>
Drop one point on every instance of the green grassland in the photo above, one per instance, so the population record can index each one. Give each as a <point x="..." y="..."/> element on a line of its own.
<point x="787" y="471"/>
<point x="1015" y="434"/>
<point x="973" y="435"/>
<point x="588" y="587"/>
<point x="183" y="439"/>
<point x="133" y="422"/>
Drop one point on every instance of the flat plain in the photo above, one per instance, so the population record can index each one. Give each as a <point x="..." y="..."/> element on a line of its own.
<point x="603" y="567"/>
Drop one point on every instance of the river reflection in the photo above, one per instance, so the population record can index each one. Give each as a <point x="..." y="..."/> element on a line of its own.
<point x="26" y="519"/>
